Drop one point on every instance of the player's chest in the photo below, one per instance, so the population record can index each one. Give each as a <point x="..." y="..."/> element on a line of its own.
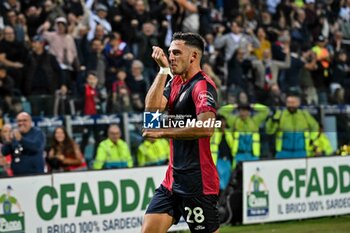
<point x="181" y="100"/>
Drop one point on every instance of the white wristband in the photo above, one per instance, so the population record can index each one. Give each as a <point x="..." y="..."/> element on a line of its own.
<point x="164" y="70"/>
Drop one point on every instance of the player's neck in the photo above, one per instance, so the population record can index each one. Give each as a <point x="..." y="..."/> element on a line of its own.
<point x="189" y="74"/>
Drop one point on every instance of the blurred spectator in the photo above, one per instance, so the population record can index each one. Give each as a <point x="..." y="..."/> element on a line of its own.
<point x="341" y="72"/>
<point x="138" y="103"/>
<point x="20" y="32"/>
<point x="99" y="18"/>
<point x="100" y="34"/>
<point x="290" y="81"/>
<point x="118" y="55"/>
<point x="113" y="152"/>
<point x="51" y="11"/>
<point x="80" y="37"/>
<point x="344" y="22"/>
<point x="208" y="69"/>
<point x="26" y="145"/>
<point x="245" y="128"/>
<point x="5" y="159"/>
<point x="267" y="73"/>
<point x="153" y="152"/>
<point x="136" y="81"/>
<point x="233" y="41"/>
<point x="13" y="55"/>
<point x="221" y="150"/>
<point x="321" y="145"/>
<point x="295" y="130"/>
<point x="34" y="19"/>
<point x="120" y="94"/>
<point x="75" y="7"/>
<point x="197" y="17"/>
<point x="63" y="47"/>
<point x="210" y="53"/>
<point x="93" y="96"/>
<point x="272" y="30"/>
<point x="299" y="31"/>
<point x="6" y="90"/>
<point x="63" y="103"/>
<point x="42" y="77"/>
<point x="321" y="76"/>
<point x="240" y="72"/>
<point x="64" y="154"/>
<point x="97" y="61"/>
<point x="142" y="14"/>
<point x="93" y="104"/>
<point x="168" y="22"/>
<point x="145" y="40"/>
<point x="10" y="5"/>
<point x="264" y="43"/>
<point x="309" y="92"/>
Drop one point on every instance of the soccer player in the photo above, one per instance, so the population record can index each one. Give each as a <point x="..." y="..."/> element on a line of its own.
<point x="191" y="185"/>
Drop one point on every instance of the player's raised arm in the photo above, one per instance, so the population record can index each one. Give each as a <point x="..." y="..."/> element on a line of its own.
<point x="155" y="100"/>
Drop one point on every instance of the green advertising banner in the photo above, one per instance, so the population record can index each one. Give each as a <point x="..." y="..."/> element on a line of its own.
<point x="79" y="202"/>
<point x="295" y="189"/>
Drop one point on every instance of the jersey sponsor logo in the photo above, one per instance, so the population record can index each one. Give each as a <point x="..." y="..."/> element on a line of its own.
<point x="206" y="95"/>
<point x="151" y="120"/>
<point x="182" y="96"/>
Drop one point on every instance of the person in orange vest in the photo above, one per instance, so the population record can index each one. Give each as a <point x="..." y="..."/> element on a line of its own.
<point x="321" y="76"/>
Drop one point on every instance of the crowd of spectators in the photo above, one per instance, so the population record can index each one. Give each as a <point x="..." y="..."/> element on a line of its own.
<point x="265" y="48"/>
<point x="90" y="57"/>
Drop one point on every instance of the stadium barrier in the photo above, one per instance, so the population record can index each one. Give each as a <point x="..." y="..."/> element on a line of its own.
<point x="276" y="190"/>
<point x="79" y="202"/>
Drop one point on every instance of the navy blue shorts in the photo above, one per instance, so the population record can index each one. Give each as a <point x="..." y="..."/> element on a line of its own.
<point x="200" y="212"/>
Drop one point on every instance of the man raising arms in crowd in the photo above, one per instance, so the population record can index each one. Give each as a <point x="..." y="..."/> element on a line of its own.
<point x="191" y="185"/>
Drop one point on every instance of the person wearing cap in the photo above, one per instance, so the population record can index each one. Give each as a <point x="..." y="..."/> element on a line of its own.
<point x="294" y="128"/>
<point x="244" y="121"/>
<point x="99" y="17"/>
<point x="43" y="77"/>
<point x="63" y="47"/>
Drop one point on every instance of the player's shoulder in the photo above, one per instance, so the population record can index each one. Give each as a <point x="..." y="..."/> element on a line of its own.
<point x="205" y="78"/>
<point x="203" y="81"/>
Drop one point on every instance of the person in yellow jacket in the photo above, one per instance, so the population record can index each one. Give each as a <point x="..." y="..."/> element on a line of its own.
<point x="221" y="150"/>
<point x="245" y="128"/>
<point x="294" y="128"/>
<point x="321" y="145"/>
<point x="153" y="152"/>
<point x="113" y="152"/>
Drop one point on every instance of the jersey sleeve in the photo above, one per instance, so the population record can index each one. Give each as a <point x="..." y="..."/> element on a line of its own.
<point x="167" y="89"/>
<point x="204" y="96"/>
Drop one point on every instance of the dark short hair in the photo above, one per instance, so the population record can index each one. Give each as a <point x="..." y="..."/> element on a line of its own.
<point x="191" y="39"/>
<point x="92" y="72"/>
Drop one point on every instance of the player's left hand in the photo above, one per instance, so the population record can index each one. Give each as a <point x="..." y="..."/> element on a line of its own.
<point x="151" y="133"/>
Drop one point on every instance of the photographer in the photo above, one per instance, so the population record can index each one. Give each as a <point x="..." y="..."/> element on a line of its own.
<point x="26" y="145"/>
